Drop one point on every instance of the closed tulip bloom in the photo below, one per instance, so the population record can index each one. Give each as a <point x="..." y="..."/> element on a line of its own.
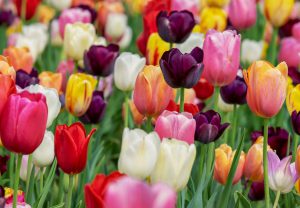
<point x="292" y="99"/>
<point x="182" y="70"/>
<point x="235" y="92"/>
<point x="203" y="89"/>
<point x="282" y="174"/>
<point x="141" y="195"/>
<point x="212" y="17"/>
<point x="216" y="3"/>
<point x="79" y="93"/>
<point x="151" y="93"/>
<point x="51" y="80"/>
<point x="242" y="14"/>
<point x="266" y="87"/>
<point x="251" y="50"/>
<point x="20" y="58"/>
<point x="127" y="65"/>
<point x="175" y="27"/>
<point x="290" y="51"/>
<point x="278" y="12"/>
<point x="296" y="122"/>
<point x="7" y="87"/>
<point x="23" y="113"/>
<point x="155" y="49"/>
<point x="174" y="163"/>
<point x="78" y="38"/>
<point x="23" y="79"/>
<point x="221" y="57"/>
<point x="44" y="154"/>
<point x="208" y="126"/>
<point x="115" y="26"/>
<point x="71" y="145"/>
<point x="223" y="161"/>
<point x="175" y="125"/>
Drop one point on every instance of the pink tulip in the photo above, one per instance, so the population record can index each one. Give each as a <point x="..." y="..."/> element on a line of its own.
<point x="242" y="13"/>
<point x="66" y="69"/>
<point x="23" y="122"/>
<point x="132" y="193"/>
<point x="290" y="51"/>
<point x="176" y="125"/>
<point x="221" y="57"/>
<point x="296" y="31"/>
<point x="190" y="5"/>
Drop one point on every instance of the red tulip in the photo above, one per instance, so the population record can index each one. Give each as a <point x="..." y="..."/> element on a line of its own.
<point x="23" y="122"/>
<point x="203" y="89"/>
<point x="188" y="107"/>
<point x="94" y="192"/>
<point x="7" y="87"/>
<point x="71" y="145"/>
<point x="31" y="6"/>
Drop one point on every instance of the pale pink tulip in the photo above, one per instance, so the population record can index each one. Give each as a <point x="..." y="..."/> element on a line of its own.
<point x="290" y="51"/>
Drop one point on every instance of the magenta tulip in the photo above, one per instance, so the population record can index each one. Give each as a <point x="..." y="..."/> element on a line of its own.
<point x="290" y="51"/>
<point x="23" y="122"/>
<point x="175" y="125"/>
<point x="221" y="57"/>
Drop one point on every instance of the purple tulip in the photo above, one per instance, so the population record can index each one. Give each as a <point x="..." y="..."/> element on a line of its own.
<point x="96" y="109"/>
<point x="100" y="60"/>
<point x="182" y="70"/>
<point x="6" y="17"/>
<point x="24" y="80"/>
<point x="286" y="29"/>
<point x="235" y="92"/>
<point x="208" y="126"/>
<point x="3" y="164"/>
<point x="257" y="191"/>
<point x="296" y="122"/>
<point x="175" y="27"/>
<point x="294" y="73"/>
<point x="92" y="12"/>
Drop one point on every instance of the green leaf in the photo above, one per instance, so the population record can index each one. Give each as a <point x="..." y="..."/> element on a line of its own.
<point x="58" y="205"/>
<point x="242" y="201"/>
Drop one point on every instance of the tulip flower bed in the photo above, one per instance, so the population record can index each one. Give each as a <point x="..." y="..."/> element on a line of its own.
<point x="149" y="103"/>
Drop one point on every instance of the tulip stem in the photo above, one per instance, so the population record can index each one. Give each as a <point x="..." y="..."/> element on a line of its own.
<point x="216" y="97"/>
<point x="265" y="163"/>
<point x="273" y="46"/>
<point x="149" y="124"/>
<point x="16" y="180"/>
<point x="295" y="146"/>
<point x="249" y="184"/>
<point x="234" y="124"/>
<point x="181" y="99"/>
<point x="70" y="190"/>
<point x="276" y="199"/>
<point x="126" y="119"/>
<point x="29" y="168"/>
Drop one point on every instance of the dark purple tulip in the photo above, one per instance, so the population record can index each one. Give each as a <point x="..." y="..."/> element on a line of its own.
<point x="3" y="164"/>
<point x="90" y="10"/>
<point x="296" y="122"/>
<point x="294" y="73"/>
<point x="208" y="126"/>
<point x="100" y="60"/>
<point x="182" y="70"/>
<point x="2" y="191"/>
<point x="176" y="27"/>
<point x="24" y="80"/>
<point x="96" y="109"/>
<point x="257" y="191"/>
<point x="235" y="92"/>
<point x="6" y="17"/>
<point x="286" y="29"/>
<point x="277" y="139"/>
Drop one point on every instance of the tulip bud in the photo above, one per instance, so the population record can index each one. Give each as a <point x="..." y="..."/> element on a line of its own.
<point x="251" y="51"/>
<point x="235" y="92"/>
<point x="115" y="26"/>
<point x="44" y="154"/>
<point x="290" y="51"/>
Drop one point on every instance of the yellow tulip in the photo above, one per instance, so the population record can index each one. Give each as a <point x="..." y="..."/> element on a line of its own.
<point x="155" y="49"/>
<point x="293" y="99"/>
<point x="216" y="3"/>
<point x="212" y="18"/>
<point x="45" y="13"/>
<point x="79" y="93"/>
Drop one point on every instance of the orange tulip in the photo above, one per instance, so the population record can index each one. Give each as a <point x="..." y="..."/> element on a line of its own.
<point x="20" y="58"/>
<point x="137" y="117"/>
<point x="151" y="93"/>
<point x="223" y="160"/>
<point x="7" y="87"/>
<point x="51" y="80"/>
<point x="6" y="68"/>
<point x="267" y="86"/>
<point x="297" y="162"/>
<point x="297" y="186"/>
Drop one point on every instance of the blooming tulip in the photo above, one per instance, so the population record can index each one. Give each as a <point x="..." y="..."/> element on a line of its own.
<point x="235" y="92"/>
<point x="18" y="123"/>
<point x="221" y="57"/>
<point x="71" y="141"/>
<point x="7" y="87"/>
<point x="127" y="65"/>
<point x="266" y="87"/>
<point x="140" y="195"/>
<point x="51" y="80"/>
<point x="223" y="161"/>
<point x="155" y="49"/>
<point x="282" y="174"/>
<point x="174" y="163"/>
<point x="23" y="79"/>
<point x="212" y="17"/>
<point x="20" y="58"/>
<point x="182" y="70"/>
<point x="175" y="125"/>
<point x="175" y="27"/>
<point x="60" y="4"/>
<point x="251" y="50"/>
<point x="203" y="89"/>
<point x="44" y="154"/>
<point x="30" y="8"/>
<point x="292" y="99"/>
<point x="296" y="122"/>
<point x="6" y="68"/>
<point x="79" y="93"/>
<point x="193" y="41"/>
<point x="151" y="93"/>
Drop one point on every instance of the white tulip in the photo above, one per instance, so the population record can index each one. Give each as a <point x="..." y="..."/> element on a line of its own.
<point x="251" y="50"/>
<point x="44" y="154"/>
<point x="24" y="165"/>
<point x="127" y="67"/>
<point x="126" y="38"/>
<point x="23" y="41"/>
<point x="138" y="153"/>
<point x="56" y="39"/>
<point x="194" y="40"/>
<point x="225" y="107"/>
<point x="60" y="4"/>
<point x="116" y="25"/>
<point x="174" y="163"/>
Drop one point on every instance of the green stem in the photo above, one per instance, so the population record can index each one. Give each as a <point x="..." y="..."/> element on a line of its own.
<point x="29" y="168"/>
<point x="265" y="163"/>
<point x="61" y="188"/>
<point x="249" y="184"/>
<point x="16" y="180"/>
<point x="11" y="168"/>
<point x="70" y="190"/>
<point x="216" y="98"/>
<point x="41" y="179"/>
<point x="273" y="46"/>
<point x="276" y="199"/>
<point x="126" y="119"/>
<point x="202" y="160"/>
<point x="211" y="154"/>
<point x="181" y="99"/>
<point x="149" y="124"/>
<point x="234" y="125"/>
<point x="296" y="137"/>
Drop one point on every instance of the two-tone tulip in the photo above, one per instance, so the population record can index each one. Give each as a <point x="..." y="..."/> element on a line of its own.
<point x="155" y="48"/>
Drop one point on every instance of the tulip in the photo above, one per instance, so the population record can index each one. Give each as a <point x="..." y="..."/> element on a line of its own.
<point x="115" y="26"/>
<point x="89" y="8"/>
<point x="127" y="65"/>
<point x="286" y="29"/>
<point x="94" y="193"/>
<point x="290" y="51"/>
<point x="24" y="168"/>
<point x="140" y="195"/>
<point x="52" y="101"/>
<point x="30" y="8"/>
<point x="18" y="123"/>
<point x="192" y="6"/>
<point x="7" y="87"/>
<point x="208" y="126"/>
<point x="292" y="99"/>
<point x="212" y="17"/>
<point x="182" y="70"/>
<point x="155" y="49"/>
<point x="242" y="14"/>
<point x="266" y="87"/>
<point x="278" y="12"/>
<point x="174" y="163"/>
<point x="221" y="57"/>
<point x="56" y="39"/>
<point x="60" y="4"/>
<point x="6" y="68"/>
<point x="256" y="191"/>
<point x="7" y="17"/>
<point x="296" y="122"/>
<point x="100" y="60"/>
<point x="96" y="109"/>
<point x="44" y="154"/>
<point x="203" y="89"/>
<point x="251" y="50"/>
<point x="175" y="125"/>
<point x="8" y="194"/>
<point x="139" y="153"/>
<point x="217" y="3"/>
<point x="223" y="106"/>
<point x="71" y="141"/>
<point x="65" y="68"/>
<point x="297" y="162"/>
<point x="193" y="41"/>
<point x="294" y="74"/>
<point x="282" y="174"/>
<point x="223" y="161"/>
<point x="175" y="27"/>
<point x="78" y="38"/>
<point x="137" y="117"/>
<point x="235" y="92"/>
<point x="45" y="14"/>
<point x="20" y="58"/>
<point x="51" y="80"/>
<point x="79" y="93"/>
<point x="188" y="107"/>
<point x="23" y="79"/>
<point x="151" y="93"/>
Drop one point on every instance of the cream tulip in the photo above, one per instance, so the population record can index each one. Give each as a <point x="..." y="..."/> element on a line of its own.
<point x="195" y="40"/>
<point x="44" y="154"/>
<point x="60" y="4"/>
<point x="115" y="26"/>
<point x="251" y="50"/>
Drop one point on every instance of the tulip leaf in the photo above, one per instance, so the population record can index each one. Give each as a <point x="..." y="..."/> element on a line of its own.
<point x="58" y="205"/>
<point x="211" y="201"/>
<point x="242" y="201"/>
